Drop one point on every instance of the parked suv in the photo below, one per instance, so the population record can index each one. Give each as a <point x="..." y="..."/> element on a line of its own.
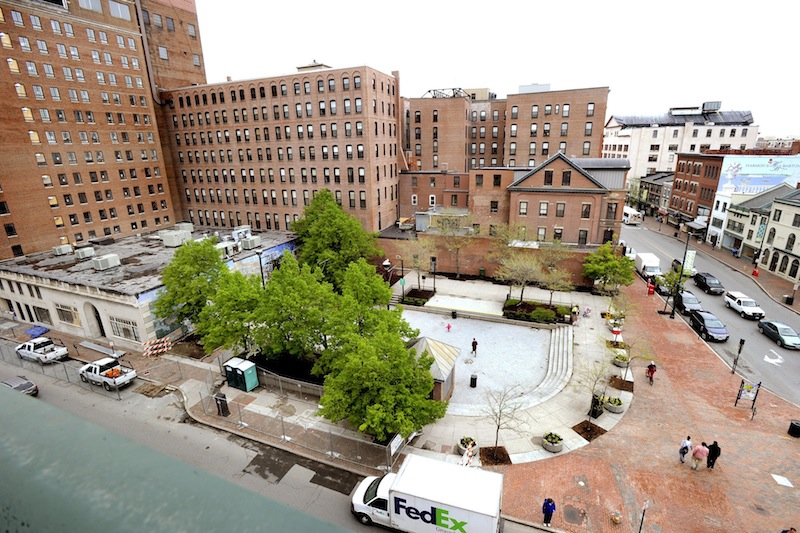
<point x="686" y="301"/>
<point x="708" y="283"/>
<point x="676" y="266"/>
<point x="744" y="305"/>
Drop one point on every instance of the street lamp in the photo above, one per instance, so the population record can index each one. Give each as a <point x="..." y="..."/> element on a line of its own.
<point x="680" y="274"/>
<point x="261" y="268"/>
<point x="402" y="280"/>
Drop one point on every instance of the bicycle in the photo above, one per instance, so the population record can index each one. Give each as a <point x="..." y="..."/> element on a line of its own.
<point x="651" y="370"/>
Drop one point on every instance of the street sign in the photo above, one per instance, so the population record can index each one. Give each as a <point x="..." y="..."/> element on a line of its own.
<point x="402" y="282"/>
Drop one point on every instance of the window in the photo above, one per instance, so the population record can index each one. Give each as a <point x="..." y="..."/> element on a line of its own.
<point x="493" y="206"/>
<point x="548" y="177"/>
<point x="162" y="52"/>
<point x="582" y="236"/>
<point x="590" y="110"/>
<point x="432" y="200"/>
<point x="479" y="180"/>
<point x="125" y="329"/>
<point x="543" y="209"/>
<point x="413" y="199"/>
<point x="586" y="210"/>
<point x="496" y="179"/>
<point x="523" y="208"/>
<point x="566" y="177"/>
<point x="776" y="215"/>
<point x="68" y="314"/>
<point x="611" y="211"/>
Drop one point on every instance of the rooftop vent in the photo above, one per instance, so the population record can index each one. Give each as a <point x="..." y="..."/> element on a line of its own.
<point x="84" y="253"/>
<point x="104" y="262"/>
<point x="64" y="249"/>
<point x="249" y="243"/>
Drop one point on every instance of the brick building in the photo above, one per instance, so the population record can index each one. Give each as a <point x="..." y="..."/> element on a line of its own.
<point x="80" y="145"/>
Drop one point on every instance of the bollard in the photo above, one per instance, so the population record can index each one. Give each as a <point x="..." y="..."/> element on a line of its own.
<point x="473" y="380"/>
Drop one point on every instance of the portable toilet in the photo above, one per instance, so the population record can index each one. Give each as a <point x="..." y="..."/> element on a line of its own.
<point x="241" y="374"/>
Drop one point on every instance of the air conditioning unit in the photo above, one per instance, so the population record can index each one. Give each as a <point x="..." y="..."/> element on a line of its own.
<point x="250" y="243"/>
<point x="64" y="249"/>
<point x="83" y="253"/>
<point x="104" y="262"/>
<point x="184" y="226"/>
<point x="172" y="239"/>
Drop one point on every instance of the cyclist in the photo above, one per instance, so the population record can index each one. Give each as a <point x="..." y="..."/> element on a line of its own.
<point x="651" y="370"/>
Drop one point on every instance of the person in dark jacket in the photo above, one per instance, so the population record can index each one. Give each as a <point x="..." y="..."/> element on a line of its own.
<point x="548" y="508"/>
<point x="713" y="454"/>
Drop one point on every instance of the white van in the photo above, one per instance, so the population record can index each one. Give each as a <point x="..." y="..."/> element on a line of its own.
<point x="631" y="216"/>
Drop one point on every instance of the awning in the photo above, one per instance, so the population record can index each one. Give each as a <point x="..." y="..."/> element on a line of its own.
<point x="663" y="212"/>
<point x="696" y="225"/>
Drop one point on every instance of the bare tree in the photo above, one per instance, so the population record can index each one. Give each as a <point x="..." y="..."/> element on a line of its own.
<point x="504" y="236"/>
<point x="518" y="268"/>
<point x="416" y="253"/>
<point x="504" y="410"/>
<point x="551" y="276"/>
<point x="592" y="377"/>
<point x="456" y="231"/>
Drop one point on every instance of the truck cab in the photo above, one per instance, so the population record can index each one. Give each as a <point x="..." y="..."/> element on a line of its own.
<point x="744" y="305"/>
<point x="369" y="501"/>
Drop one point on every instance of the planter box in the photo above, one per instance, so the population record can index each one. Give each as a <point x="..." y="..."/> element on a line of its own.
<point x="611" y="408"/>
<point x="621" y="364"/>
<point x="463" y="449"/>
<point x="554" y="448"/>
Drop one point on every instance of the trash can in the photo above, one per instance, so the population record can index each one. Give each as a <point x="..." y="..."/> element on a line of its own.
<point x="482" y="272"/>
<point x="794" y="428"/>
<point x="473" y="380"/>
<point x="788" y="299"/>
<point x="222" y="404"/>
<point x="454" y="314"/>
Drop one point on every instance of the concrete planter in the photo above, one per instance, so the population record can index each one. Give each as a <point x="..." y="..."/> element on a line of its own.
<point x="611" y="408"/>
<point x="554" y="448"/>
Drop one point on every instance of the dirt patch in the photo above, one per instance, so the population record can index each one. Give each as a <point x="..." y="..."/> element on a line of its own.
<point x="616" y="344"/>
<point x="152" y="390"/>
<point x="619" y="383"/>
<point x="588" y="431"/>
<point x="189" y="347"/>
<point x="419" y="293"/>
<point x="494" y="455"/>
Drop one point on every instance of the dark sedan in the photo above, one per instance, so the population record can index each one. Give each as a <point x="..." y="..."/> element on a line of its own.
<point x="708" y="283"/>
<point x="686" y="301"/>
<point x="781" y="333"/>
<point x="708" y="326"/>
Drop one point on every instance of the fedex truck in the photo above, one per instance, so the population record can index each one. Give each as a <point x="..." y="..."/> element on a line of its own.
<point x="430" y="496"/>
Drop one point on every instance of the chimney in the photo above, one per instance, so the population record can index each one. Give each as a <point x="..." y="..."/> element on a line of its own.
<point x="228" y="78"/>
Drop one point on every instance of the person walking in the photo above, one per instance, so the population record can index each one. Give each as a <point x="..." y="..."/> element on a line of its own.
<point x="575" y="312"/>
<point x="474" y="347"/>
<point x="699" y="454"/>
<point x="548" y="508"/>
<point x="713" y="454"/>
<point x="448" y="326"/>
<point x="686" y="447"/>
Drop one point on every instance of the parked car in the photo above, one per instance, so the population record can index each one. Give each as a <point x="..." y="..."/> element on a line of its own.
<point x="676" y="266"/>
<point x="708" y="283"/>
<point x="744" y="305"/>
<point x="22" y="384"/>
<point x="708" y="326"/>
<point x="686" y="301"/>
<point x="781" y="333"/>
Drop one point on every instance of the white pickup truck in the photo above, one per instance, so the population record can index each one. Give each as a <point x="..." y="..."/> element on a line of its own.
<point x="744" y="305"/>
<point x="42" y="350"/>
<point x="107" y="372"/>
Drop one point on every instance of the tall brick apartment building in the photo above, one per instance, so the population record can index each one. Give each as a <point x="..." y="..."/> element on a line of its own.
<point x="80" y="145"/>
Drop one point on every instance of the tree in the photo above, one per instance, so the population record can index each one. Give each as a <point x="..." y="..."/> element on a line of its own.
<point x="229" y="318"/>
<point x="190" y="281"/>
<point x="382" y="388"/>
<point x="294" y="311"/>
<point x="552" y="278"/>
<point x="456" y="231"/>
<point x="416" y="254"/>
<point x="556" y="280"/>
<point x="591" y="377"/>
<point x="504" y="410"/>
<point x="608" y="267"/>
<point x="674" y="282"/>
<point x="504" y="236"/>
<point x="331" y="239"/>
<point x="518" y="267"/>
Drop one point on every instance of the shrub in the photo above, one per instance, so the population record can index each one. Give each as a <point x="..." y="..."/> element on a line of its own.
<point x="563" y="310"/>
<point x="614" y="401"/>
<point x="419" y="302"/>
<point x="543" y="315"/>
<point x="552" y="438"/>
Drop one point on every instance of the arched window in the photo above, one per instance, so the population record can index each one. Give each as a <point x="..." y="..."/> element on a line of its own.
<point x="765" y="257"/>
<point x="790" y="242"/>
<point x="417" y="117"/>
<point x="794" y="267"/>
<point x="771" y="236"/>
<point x="784" y="263"/>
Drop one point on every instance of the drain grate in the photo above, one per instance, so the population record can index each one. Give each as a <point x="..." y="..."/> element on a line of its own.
<point x="573" y="515"/>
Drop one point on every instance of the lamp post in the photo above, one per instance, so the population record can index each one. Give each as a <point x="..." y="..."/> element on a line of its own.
<point x="680" y="275"/>
<point x="261" y="268"/>
<point x="646" y="505"/>
<point x="402" y="279"/>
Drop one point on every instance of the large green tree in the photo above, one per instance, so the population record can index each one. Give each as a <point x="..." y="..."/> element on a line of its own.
<point x="331" y="239"/>
<point x="230" y="317"/>
<point x="190" y="281"/>
<point x="608" y="267"/>
<point x="294" y="310"/>
<point x="382" y="387"/>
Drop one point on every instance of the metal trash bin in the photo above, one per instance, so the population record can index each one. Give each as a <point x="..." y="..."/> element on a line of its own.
<point x="454" y="314"/>
<point x="788" y="299"/>
<point x="222" y="404"/>
<point x="473" y="380"/>
<point x="482" y="272"/>
<point x="794" y="428"/>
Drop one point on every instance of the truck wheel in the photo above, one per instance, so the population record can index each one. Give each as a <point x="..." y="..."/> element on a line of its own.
<point x="364" y="519"/>
<point x="742" y="314"/>
<point x="107" y="386"/>
<point x="84" y="378"/>
<point x="727" y="304"/>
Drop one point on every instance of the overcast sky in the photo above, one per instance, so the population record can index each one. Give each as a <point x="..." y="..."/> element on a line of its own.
<point x="652" y="55"/>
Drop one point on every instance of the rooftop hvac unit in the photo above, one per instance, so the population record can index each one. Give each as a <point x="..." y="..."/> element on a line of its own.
<point x="250" y="243"/>
<point x="83" y="253"/>
<point x="104" y="262"/>
<point x="184" y="226"/>
<point x="64" y="249"/>
<point x="227" y="249"/>
<point x="172" y="239"/>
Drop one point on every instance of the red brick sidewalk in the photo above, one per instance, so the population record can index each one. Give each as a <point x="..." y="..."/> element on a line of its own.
<point x="638" y="460"/>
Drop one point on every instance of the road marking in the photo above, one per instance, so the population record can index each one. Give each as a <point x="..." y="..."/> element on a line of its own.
<point x="777" y="361"/>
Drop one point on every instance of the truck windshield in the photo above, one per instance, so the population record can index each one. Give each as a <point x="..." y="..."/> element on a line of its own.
<point x="372" y="490"/>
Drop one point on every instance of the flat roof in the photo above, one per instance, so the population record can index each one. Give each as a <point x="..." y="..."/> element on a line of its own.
<point x="142" y="259"/>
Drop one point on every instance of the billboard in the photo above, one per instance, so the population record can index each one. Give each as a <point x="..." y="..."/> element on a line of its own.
<point x="753" y="174"/>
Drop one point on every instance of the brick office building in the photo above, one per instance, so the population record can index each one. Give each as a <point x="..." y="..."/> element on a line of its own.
<point x="80" y="146"/>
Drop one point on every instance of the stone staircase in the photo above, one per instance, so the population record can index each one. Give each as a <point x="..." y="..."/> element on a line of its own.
<point x="559" y="365"/>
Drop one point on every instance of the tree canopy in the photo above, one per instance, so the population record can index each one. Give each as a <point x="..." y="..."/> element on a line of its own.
<point x="231" y="315"/>
<point x="190" y="281"/>
<point x="331" y="239"/>
<point x="608" y="267"/>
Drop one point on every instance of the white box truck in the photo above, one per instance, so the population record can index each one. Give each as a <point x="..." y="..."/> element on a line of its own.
<point x="648" y="265"/>
<point x="430" y="496"/>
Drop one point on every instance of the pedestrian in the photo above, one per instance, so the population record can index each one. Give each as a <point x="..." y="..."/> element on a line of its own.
<point x="548" y="508"/>
<point x="474" y="347"/>
<point x="575" y="311"/>
<point x="699" y="454"/>
<point x="448" y="326"/>
<point x="790" y="530"/>
<point x="713" y="454"/>
<point x="685" y="448"/>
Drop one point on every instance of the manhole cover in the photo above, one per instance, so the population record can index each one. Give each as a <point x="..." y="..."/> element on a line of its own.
<point x="573" y="515"/>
